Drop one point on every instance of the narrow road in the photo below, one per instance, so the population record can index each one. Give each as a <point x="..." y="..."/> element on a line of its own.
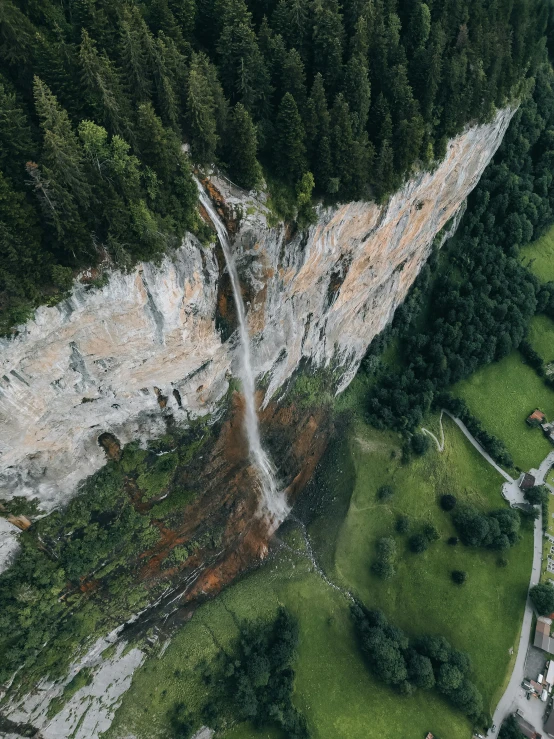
<point x="506" y="705"/>
<point x="478" y="446"/>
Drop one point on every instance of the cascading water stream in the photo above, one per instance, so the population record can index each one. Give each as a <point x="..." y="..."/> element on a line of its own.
<point x="273" y="499"/>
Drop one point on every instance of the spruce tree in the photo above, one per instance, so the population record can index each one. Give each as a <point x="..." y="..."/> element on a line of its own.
<point x="292" y="19"/>
<point x="244" y="168"/>
<point x="357" y="90"/>
<point x="290" y="148"/>
<point x="328" y="40"/>
<point x="293" y="78"/>
<point x="135" y="51"/>
<point x="164" y="81"/>
<point x="200" y="115"/>
<point x="102" y="86"/>
<point x="243" y="69"/>
<point x="60" y="182"/>
<point x="16" y="145"/>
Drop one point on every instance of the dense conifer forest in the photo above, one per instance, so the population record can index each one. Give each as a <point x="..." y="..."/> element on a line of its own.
<point x="97" y="97"/>
<point x="480" y="299"/>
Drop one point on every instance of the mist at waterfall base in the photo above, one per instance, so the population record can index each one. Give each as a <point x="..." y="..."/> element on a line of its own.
<point x="274" y="503"/>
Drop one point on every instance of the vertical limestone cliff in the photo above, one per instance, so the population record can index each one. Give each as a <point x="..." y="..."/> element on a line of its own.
<point x="146" y="346"/>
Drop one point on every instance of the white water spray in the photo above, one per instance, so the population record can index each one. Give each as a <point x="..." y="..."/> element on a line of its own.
<point x="273" y="499"/>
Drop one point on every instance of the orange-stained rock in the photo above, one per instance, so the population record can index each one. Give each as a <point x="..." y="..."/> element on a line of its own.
<point x="22" y="522"/>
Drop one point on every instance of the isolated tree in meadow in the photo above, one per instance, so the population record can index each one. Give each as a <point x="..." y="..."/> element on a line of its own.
<point x="459" y="576"/>
<point x="542" y="597"/>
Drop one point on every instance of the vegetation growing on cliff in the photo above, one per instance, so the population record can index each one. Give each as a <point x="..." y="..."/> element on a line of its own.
<point x="83" y="570"/>
<point x="96" y="97"/>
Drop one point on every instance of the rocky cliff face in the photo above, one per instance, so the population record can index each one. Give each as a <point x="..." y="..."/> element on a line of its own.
<point x="122" y="358"/>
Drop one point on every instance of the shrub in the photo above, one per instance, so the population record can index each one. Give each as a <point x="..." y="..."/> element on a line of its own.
<point x="420" y="444"/>
<point x="502" y="562"/>
<point x="453" y="540"/>
<point x="418" y="543"/>
<point x="542" y="597"/>
<point x="430" y="532"/>
<point x="402" y="524"/>
<point x="459" y="577"/>
<point x="385" y="492"/>
<point x="448" y="502"/>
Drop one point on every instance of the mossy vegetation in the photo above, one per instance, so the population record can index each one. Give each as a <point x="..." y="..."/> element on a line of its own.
<point x="77" y="574"/>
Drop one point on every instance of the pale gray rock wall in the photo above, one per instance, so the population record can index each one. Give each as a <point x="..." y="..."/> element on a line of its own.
<point x="91" y="364"/>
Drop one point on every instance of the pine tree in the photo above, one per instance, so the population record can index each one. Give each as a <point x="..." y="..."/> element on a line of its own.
<point x="16" y="145"/>
<point x="16" y="35"/>
<point x="318" y="136"/>
<point x="100" y="81"/>
<point x="165" y="80"/>
<point x="243" y="69"/>
<point x="419" y="26"/>
<point x="317" y="115"/>
<point x="290" y="149"/>
<point x="60" y="182"/>
<point x="291" y="19"/>
<point x="161" y="18"/>
<point x="22" y="260"/>
<point x="136" y="50"/>
<point x="328" y="39"/>
<point x="200" y="115"/>
<point x="357" y="90"/>
<point x="293" y="78"/>
<point x="243" y="164"/>
<point x="184" y="12"/>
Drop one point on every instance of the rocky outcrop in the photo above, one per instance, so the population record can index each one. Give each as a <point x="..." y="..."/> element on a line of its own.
<point x="122" y="358"/>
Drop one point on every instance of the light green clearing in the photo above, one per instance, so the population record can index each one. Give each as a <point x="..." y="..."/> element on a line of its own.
<point x="539" y="256"/>
<point x="541" y="337"/>
<point x="333" y="687"/>
<point x="502" y="395"/>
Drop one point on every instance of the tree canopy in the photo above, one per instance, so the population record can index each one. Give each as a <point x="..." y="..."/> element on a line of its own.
<point x="354" y="94"/>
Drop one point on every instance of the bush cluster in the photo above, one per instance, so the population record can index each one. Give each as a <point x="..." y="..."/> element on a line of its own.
<point x="407" y="664"/>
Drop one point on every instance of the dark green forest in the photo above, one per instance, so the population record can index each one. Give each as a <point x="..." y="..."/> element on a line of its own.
<point x="473" y="305"/>
<point x="97" y="97"/>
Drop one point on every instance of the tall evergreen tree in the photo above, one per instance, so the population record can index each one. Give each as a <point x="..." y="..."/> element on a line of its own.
<point x="290" y="148"/>
<point x="293" y="78"/>
<point x="60" y="182"/>
<point x="16" y="144"/>
<point x="243" y="164"/>
<point x="136" y="51"/>
<point x="99" y="79"/>
<point x="357" y="89"/>
<point x="292" y="20"/>
<point x="200" y="115"/>
<point x="243" y="69"/>
<point x="328" y="40"/>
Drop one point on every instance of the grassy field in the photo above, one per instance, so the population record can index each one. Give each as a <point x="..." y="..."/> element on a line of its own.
<point x="333" y="687"/>
<point x="539" y="256"/>
<point x="502" y="395"/>
<point x="541" y="336"/>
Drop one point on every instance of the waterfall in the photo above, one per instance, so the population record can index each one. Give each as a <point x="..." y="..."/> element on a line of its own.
<point x="273" y="499"/>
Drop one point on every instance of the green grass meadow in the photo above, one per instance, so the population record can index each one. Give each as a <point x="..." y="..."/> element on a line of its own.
<point x="539" y="256"/>
<point x="541" y="337"/>
<point x="502" y="395"/>
<point x="334" y="689"/>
